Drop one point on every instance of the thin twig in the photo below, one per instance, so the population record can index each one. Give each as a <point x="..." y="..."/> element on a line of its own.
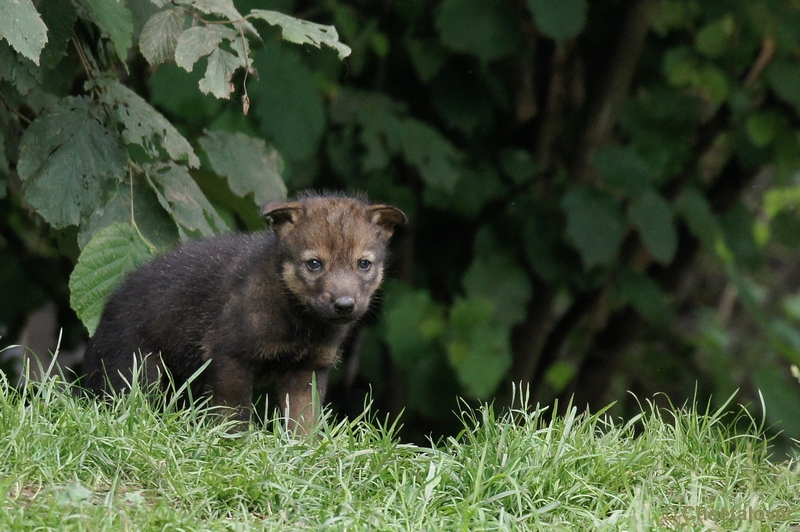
<point x="150" y="247"/>
<point x="10" y="108"/>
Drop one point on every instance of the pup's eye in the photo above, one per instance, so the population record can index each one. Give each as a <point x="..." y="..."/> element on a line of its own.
<point x="313" y="264"/>
<point x="364" y="264"/>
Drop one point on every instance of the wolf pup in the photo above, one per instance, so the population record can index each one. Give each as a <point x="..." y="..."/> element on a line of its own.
<point x="274" y="304"/>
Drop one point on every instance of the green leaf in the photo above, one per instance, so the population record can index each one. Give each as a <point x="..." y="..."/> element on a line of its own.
<point x="695" y="210"/>
<point x="762" y="128"/>
<point x="500" y="279"/>
<point x="784" y="78"/>
<point x="303" y="32"/>
<point x="19" y="70"/>
<point x="22" y="27"/>
<point x="712" y="83"/>
<point x="518" y="164"/>
<point x="184" y="201"/>
<point x="545" y="248"/>
<point x="69" y="162"/>
<point x="432" y="154"/>
<point x="680" y="66"/>
<point x="428" y="57"/>
<point x="160" y="35"/>
<point x="248" y="163"/>
<point x="781" y="398"/>
<point x="651" y="214"/>
<point x="152" y="220"/>
<point x="595" y="224"/>
<point x="198" y="42"/>
<point x="112" y="252"/>
<point x="737" y="227"/>
<point x="478" y="348"/>
<point x="59" y="17"/>
<point x="115" y="20"/>
<point x="560" y="20"/>
<point x="174" y="90"/>
<point x="487" y="29"/>
<point x="623" y="168"/>
<point x="462" y="101"/>
<point x="714" y="38"/>
<point x="224" y="8"/>
<point x="473" y="190"/>
<point x="221" y="66"/>
<point x="643" y="294"/>
<point x="559" y="375"/>
<point x="786" y="228"/>
<point x="143" y="125"/>
<point x="287" y="102"/>
<point x="413" y="324"/>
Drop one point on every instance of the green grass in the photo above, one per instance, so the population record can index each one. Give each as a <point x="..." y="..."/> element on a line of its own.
<point x="71" y="464"/>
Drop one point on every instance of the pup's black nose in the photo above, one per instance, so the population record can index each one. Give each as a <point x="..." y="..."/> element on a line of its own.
<point x="344" y="305"/>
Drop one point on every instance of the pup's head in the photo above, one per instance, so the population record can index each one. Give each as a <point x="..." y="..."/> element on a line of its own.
<point x="333" y="249"/>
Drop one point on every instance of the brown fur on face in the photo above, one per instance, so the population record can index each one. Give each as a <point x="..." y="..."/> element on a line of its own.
<point x="276" y="304"/>
<point x="333" y="249"/>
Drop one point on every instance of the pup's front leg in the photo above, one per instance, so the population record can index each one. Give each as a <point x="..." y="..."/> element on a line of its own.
<point x="296" y="398"/>
<point x="232" y="386"/>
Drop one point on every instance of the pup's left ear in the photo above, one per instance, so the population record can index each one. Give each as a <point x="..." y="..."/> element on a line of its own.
<point x="388" y="217"/>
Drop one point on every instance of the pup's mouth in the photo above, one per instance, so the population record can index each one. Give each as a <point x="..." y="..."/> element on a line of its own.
<point x="339" y="319"/>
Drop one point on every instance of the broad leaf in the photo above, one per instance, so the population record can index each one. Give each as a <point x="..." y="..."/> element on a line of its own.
<point x="69" y="162"/>
<point x="500" y="279"/>
<point x="102" y="266"/>
<point x="428" y="57"/>
<point x="643" y="294"/>
<point x="22" y="27"/>
<point x="219" y="72"/>
<point x="184" y="201"/>
<point x="560" y="20"/>
<point x="223" y="8"/>
<point x="545" y="249"/>
<point x="287" y="102"/>
<point x="518" y="164"/>
<point x="153" y="221"/>
<point x="59" y="17"/>
<point x="713" y="39"/>
<point x="595" y="224"/>
<point x="784" y="78"/>
<point x="413" y="323"/>
<point x="695" y="210"/>
<point x="651" y="214"/>
<point x="249" y="165"/>
<point x="303" y="32"/>
<point x="116" y="21"/>
<point x="478" y="348"/>
<point x="487" y="29"/>
<point x="198" y="42"/>
<point x="473" y="190"/>
<point x="143" y="125"/>
<point x="430" y="152"/>
<point x="624" y="169"/>
<point x="20" y="71"/>
<point x="160" y="34"/>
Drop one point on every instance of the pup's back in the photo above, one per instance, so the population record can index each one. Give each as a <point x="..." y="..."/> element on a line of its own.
<point x="277" y="303"/>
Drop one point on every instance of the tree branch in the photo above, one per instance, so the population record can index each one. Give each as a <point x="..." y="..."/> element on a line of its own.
<point x="607" y="104"/>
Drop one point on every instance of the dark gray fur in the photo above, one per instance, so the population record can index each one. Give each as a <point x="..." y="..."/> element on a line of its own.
<point x="250" y="304"/>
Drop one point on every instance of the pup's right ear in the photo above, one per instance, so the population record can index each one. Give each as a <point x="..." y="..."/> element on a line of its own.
<point x="283" y="214"/>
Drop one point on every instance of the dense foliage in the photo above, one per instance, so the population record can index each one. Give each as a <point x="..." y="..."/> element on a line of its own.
<point x="603" y="195"/>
